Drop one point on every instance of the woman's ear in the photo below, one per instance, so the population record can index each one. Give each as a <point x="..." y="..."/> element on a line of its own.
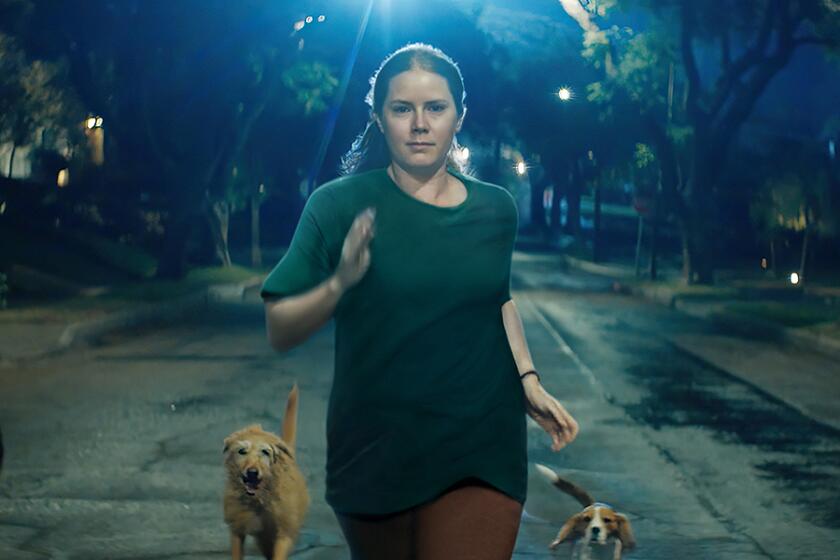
<point x="625" y="533"/>
<point x="461" y="120"/>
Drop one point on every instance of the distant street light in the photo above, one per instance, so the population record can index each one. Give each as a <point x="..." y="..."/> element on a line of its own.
<point x="96" y="139"/>
<point x="794" y="278"/>
<point x="564" y="93"/>
<point x="521" y="168"/>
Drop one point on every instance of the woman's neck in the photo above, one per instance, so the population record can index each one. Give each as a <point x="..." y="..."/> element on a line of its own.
<point x="433" y="185"/>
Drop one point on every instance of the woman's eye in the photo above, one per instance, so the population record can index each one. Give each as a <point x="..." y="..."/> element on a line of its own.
<point x="243" y="451"/>
<point x="437" y="108"/>
<point x="400" y="109"/>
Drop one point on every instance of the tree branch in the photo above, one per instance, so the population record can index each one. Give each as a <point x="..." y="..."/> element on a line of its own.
<point x="690" y="63"/>
<point x="814" y="40"/>
<point x="725" y="53"/>
<point x="751" y="57"/>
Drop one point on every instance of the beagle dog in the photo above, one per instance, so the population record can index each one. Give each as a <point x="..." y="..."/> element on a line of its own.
<point x="597" y="523"/>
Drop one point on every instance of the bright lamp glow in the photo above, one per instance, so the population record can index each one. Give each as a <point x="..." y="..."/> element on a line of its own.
<point x="90" y="122"/>
<point x="521" y="168"/>
<point x="299" y="25"/>
<point x="465" y="153"/>
<point x="321" y="19"/>
<point x="309" y="19"/>
<point x="564" y="93"/>
<point x="63" y="178"/>
<point x="794" y="278"/>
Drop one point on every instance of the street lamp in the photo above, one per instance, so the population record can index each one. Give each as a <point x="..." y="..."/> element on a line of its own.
<point x="565" y="93"/>
<point x="521" y="168"/>
<point x="96" y="139"/>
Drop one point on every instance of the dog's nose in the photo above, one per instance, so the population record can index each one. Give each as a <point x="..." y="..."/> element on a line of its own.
<point x="252" y="472"/>
<point x="595" y="531"/>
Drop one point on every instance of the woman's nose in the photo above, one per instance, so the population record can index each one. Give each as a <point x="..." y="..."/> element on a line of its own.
<point x="419" y="122"/>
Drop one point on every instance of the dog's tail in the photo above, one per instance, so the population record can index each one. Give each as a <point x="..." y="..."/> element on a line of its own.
<point x="289" y="430"/>
<point x="566" y="486"/>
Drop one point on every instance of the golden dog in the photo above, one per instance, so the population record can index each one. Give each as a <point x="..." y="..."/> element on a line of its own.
<point x="265" y="494"/>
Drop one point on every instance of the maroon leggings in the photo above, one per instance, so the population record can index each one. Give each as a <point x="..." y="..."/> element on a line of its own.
<point x="470" y="521"/>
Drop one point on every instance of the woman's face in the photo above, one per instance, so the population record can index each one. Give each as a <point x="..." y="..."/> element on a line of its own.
<point x="419" y="120"/>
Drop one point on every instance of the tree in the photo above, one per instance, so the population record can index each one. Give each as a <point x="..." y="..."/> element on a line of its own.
<point x="652" y="67"/>
<point x="794" y="198"/>
<point x="182" y="87"/>
<point x="33" y="97"/>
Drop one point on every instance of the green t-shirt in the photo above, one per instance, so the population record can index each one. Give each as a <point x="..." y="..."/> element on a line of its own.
<point x="425" y="389"/>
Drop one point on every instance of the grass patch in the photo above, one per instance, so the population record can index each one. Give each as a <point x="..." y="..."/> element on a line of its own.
<point x="126" y="296"/>
<point x="126" y="258"/>
<point x="786" y="314"/>
<point x="196" y="279"/>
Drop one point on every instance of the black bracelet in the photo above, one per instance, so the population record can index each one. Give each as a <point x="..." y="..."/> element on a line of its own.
<point x="529" y="372"/>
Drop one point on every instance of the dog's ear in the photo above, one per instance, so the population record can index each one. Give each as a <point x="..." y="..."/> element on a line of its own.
<point x="278" y="450"/>
<point x="625" y="533"/>
<point x="228" y="442"/>
<point x="566" y="531"/>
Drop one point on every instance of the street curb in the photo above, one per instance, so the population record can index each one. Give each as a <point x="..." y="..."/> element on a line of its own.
<point x="88" y="331"/>
<point x="665" y="296"/>
<point x="595" y="268"/>
<point x="803" y="338"/>
<point x="800" y="408"/>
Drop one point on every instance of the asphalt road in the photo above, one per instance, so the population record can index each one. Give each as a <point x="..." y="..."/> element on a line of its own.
<point x="114" y="452"/>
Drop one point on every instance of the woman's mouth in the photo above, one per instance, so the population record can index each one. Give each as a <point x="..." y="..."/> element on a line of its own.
<point x="419" y="145"/>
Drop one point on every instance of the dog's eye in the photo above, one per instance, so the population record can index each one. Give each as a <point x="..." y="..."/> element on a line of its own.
<point x="243" y="451"/>
<point x="607" y="520"/>
<point x="266" y="452"/>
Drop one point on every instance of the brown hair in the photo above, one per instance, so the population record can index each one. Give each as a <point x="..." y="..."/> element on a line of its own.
<point x="369" y="150"/>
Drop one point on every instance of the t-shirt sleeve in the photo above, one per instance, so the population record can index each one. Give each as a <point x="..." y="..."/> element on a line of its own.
<point x="307" y="262"/>
<point x="511" y="225"/>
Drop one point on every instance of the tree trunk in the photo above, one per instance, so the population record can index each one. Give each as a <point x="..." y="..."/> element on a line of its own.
<point x="12" y="158"/>
<point x="537" y="209"/>
<point x="803" y="260"/>
<point x="554" y="215"/>
<point x="218" y="218"/>
<point x="172" y="264"/>
<point x="256" y="254"/>
<point x="773" y="270"/>
<point x="573" y="193"/>
<point x="697" y="215"/>
<point x="697" y="261"/>
<point x="596" y="225"/>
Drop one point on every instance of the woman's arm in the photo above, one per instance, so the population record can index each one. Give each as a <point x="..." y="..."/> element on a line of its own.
<point x="516" y="339"/>
<point x="541" y="406"/>
<point x="291" y="320"/>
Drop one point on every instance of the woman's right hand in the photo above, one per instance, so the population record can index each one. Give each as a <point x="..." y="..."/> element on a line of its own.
<point x="355" y="253"/>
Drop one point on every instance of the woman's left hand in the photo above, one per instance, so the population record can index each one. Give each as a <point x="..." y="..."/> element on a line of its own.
<point x="549" y="413"/>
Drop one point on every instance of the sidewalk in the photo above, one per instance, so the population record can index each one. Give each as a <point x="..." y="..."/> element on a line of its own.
<point x="40" y="332"/>
<point x="798" y="366"/>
